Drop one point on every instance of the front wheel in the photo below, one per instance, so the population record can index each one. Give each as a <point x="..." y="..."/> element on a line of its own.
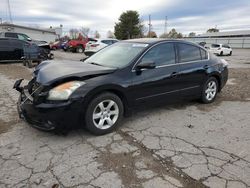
<point x="210" y="90"/>
<point x="104" y="113"/>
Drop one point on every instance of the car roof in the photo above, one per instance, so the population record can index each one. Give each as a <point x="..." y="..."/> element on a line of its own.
<point x="152" y="41"/>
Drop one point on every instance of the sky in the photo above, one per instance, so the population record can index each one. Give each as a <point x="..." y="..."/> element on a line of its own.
<point x="184" y="15"/>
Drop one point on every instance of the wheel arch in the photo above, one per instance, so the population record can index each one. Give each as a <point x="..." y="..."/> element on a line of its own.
<point x="117" y="90"/>
<point x="218" y="78"/>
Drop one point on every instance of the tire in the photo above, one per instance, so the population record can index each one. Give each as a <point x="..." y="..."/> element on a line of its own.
<point x="221" y="53"/>
<point x="230" y="53"/>
<point x="24" y="63"/>
<point x="29" y="63"/>
<point x="106" y="119"/>
<point x="210" y="90"/>
<point x="79" y="49"/>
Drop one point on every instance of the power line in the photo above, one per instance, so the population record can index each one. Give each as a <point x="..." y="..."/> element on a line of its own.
<point x="9" y="11"/>
<point x="149" y="25"/>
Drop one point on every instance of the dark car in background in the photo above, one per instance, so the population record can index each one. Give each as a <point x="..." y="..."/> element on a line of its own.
<point x="12" y="49"/>
<point x="43" y="45"/>
<point x="99" y="91"/>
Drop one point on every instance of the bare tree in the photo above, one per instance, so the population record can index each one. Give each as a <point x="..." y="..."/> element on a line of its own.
<point x="110" y="34"/>
<point x="73" y="32"/>
<point x="97" y="35"/>
<point x="85" y="31"/>
<point x="213" y="30"/>
<point x="172" y="34"/>
<point x="192" y="34"/>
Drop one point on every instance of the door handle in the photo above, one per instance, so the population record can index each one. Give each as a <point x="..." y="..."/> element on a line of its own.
<point x="206" y="67"/>
<point x="174" y="74"/>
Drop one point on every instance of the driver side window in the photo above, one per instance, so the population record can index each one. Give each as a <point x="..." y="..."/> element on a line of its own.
<point x="162" y="54"/>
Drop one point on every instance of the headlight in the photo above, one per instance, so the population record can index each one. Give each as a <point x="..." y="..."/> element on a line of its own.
<point x="63" y="91"/>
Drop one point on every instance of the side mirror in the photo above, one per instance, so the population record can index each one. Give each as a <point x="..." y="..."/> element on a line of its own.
<point x="29" y="39"/>
<point x="145" y="65"/>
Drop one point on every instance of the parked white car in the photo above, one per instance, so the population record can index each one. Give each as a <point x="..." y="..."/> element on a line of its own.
<point x="221" y="49"/>
<point x="94" y="46"/>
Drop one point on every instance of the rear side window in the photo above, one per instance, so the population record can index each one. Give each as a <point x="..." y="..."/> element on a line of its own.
<point x="188" y="53"/>
<point x="108" y="42"/>
<point x="203" y="54"/>
<point x="162" y="54"/>
<point x="11" y="35"/>
<point x="215" y="45"/>
<point x="225" y="46"/>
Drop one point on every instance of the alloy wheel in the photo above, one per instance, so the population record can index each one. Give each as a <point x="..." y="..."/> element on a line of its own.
<point x="211" y="90"/>
<point x="105" y="114"/>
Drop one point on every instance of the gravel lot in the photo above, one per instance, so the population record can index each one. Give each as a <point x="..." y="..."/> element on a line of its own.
<point x="183" y="145"/>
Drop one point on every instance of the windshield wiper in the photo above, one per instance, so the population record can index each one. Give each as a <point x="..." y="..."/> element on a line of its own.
<point x="93" y="63"/>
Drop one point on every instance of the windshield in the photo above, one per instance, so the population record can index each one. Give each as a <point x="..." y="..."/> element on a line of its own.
<point x="118" y="55"/>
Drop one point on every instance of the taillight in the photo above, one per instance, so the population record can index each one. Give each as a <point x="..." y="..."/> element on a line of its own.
<point x="94" y="45"/>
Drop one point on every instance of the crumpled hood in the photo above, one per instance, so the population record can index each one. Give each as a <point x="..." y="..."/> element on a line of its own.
<point x="50" y="71"/>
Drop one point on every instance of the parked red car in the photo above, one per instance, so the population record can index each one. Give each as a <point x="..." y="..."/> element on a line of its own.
<point x="77" y="45"/>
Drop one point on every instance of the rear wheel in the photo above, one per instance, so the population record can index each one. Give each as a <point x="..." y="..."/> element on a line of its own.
<point x="29" y="63"/>
<point x="104" y="113"/>
<point x="230" y="53"/>
<point x="79" y="49"/>
<point x="221" y="53"/>
<point x="210" y="90"/>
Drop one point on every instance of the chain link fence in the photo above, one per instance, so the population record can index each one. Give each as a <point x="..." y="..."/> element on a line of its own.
<point x="234" y="42"/>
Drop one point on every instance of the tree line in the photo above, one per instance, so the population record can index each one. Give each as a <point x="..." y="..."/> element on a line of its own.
<point x="130" y="26"/>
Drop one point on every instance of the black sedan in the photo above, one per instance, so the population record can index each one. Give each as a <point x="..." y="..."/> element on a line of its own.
<point x="98" y="92"/>
<point x="16" y="50"/>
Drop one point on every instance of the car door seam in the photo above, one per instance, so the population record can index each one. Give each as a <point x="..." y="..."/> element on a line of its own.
<point x="155" y="95"/>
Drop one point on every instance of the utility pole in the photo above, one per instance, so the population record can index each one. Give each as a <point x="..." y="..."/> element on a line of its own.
<point x="149" y="25"/>
<point x="9" y="11"/>
<point x="166" y="24"/>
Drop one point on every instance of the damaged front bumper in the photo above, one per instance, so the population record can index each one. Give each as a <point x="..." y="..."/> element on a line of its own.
<point x="47" y="116"/>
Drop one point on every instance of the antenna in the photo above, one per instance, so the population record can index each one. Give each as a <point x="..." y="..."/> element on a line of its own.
<point x="9" y="11"/>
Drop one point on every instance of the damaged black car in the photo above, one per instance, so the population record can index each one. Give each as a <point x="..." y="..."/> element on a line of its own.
<point x="98" y="92"/>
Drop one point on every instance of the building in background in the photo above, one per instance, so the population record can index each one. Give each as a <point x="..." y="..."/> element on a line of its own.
<point x="236" y="39"/>
<point x="48" y="35"/>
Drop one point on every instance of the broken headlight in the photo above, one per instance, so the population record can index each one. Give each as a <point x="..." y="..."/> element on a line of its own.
<point x="63" y="91"/>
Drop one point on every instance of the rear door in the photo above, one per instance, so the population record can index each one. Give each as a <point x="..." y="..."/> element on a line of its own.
<point x="5" y="52"/>
<point x="226" y="49"/>
<point x="193" y="62"/>
<point x="16" y="47"/>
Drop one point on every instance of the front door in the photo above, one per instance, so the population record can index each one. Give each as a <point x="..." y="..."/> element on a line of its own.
<point x="161" y="82"/>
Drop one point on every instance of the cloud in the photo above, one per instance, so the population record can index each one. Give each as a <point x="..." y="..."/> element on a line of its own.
<point x="185" y="16"/>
